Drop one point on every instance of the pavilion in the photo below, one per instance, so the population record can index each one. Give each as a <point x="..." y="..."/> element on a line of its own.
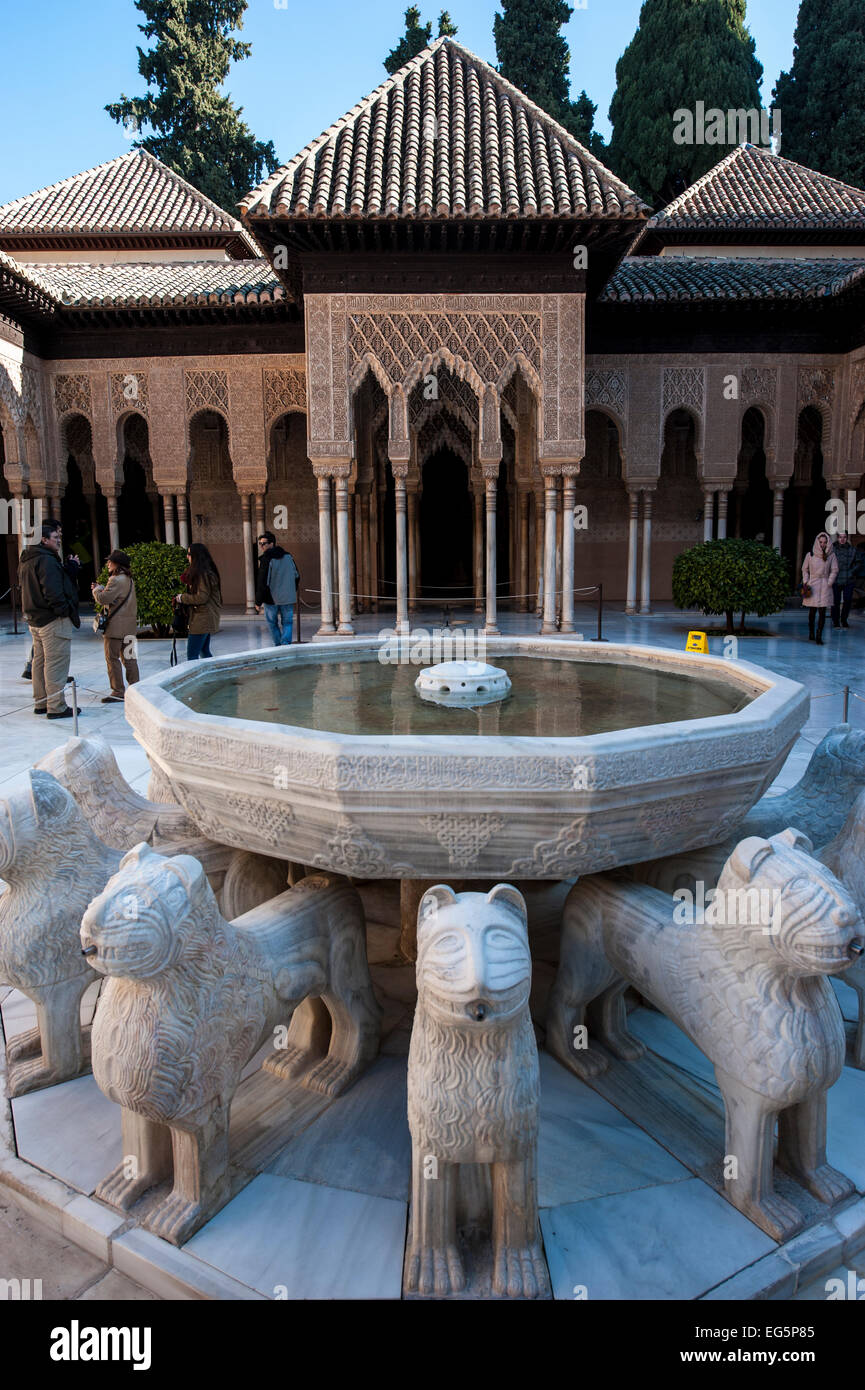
<point x="424" y="342"/>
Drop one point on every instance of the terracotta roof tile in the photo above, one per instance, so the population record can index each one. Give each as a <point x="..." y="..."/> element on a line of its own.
<point x="753" y="188"/>
<point x="701" y="279"/>
<point x="131" y="284"/>
<point x="445" y="136"/>
<point x="134" y="193"/>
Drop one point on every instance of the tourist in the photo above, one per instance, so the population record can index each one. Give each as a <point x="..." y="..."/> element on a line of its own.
<point x="850" y="568"/>
<point x="118" y="635"/>
<point x="818" y="575"/>
<point x="204" y="595"/>
<point x="276" y="588"/>
<point x="49" y="602"/>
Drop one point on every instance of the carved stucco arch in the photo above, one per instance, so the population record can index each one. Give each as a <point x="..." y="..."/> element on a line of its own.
<point x="11" y="397"/>
<point x="697" y="416"/>
<point x="519" y="362"/>
<point x="443" y="357"/>
<point x="443" y="435"/>
<point x="369" y="363"/>
<point x="769" y="423"/>
<point x="617" y="420"/>
<point x="206" y="410"/>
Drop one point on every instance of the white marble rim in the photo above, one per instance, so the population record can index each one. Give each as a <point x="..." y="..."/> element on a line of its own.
<point x="776" y="700"/>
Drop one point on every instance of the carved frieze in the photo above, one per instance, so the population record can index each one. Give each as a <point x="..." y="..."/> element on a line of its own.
<point x="72" y="393"/>
<point x="816" y="386"/>
<point x="206" y="390"/>
<point x="759" y="384"/>
<point x="284" y="391"/>
<point x="609" y="388"/>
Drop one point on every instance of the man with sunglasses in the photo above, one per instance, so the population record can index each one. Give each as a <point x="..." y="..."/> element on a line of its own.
<point x="276" y="588"/>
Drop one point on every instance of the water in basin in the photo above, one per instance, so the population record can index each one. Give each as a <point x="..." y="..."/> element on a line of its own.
<point x="548" y="698"/>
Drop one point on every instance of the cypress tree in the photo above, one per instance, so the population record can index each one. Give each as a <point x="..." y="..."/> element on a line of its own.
<point x="534" y="55"/>
<point x="822" y="97"/>
<point x="198" y="132"/>
<point x="684" y="51"/>
<point x="416" y="38"/>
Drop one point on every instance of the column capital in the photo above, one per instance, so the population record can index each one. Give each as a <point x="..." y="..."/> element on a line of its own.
<point x="334" y="468"/>
<point x="778" y="484"/>
<point x="399" y="468"/>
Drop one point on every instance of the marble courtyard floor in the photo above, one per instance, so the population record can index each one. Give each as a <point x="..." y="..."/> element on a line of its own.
<point x="629" y="1169"/>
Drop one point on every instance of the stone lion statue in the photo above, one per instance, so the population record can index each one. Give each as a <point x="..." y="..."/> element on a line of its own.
<point x="747" y="984"/>
<point x="820" y="801"/>
<point x="845" y="857"/>
<point x="473" y="1086"/>
<point x="119" y="816"/>
<point x="53" y="865"/>
<point x="191" y="997"/>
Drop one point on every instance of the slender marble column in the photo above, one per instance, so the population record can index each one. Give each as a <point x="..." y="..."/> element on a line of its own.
<point x="365" y="549"/>
<point x="540" y="535"/>
<point x="778" y="491"/>
<point x="343" y="557"/>
<point x="94" y="533"/>
<point x="411" y="500"/>
<point x="55" y="508"/>
<point x="478" y="548"/>
<point x="183" y="518"/>
<point x="708" y="513"/>
<point x="490" y="618"/>
<point x="646" y="585"/>
<point x="168" y="518"/>
<point x="246" y="512"/>
<point x="113" y="528"/>
<point x="326" y="627"/>
<point x="551" y="500"/>
<point x="402" y="620"/>
<point x="569" y="494"/>
<point x="259" y="514"/>
<point x="524" y="553"/>
<point x="633" y="540"/>
<point x="157" y="515"/>
<point x="722" y="515"/>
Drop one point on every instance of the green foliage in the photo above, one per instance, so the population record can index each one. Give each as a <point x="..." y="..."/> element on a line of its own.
<point x="822" y="97"/>
<point x="156" y="570"/>
<point x="533" y="54"/>
<point x="731" y="576"/>
<point x="684" y="51"/>
<point x="416" y="38"/>
<point x="198" y="132"/>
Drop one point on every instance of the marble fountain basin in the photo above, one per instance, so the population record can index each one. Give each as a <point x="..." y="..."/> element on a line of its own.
<point x="361" y="777"/>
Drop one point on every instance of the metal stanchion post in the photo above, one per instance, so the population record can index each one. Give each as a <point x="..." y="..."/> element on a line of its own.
<point x="74" y="706"/>
<point x="846" y="707"/>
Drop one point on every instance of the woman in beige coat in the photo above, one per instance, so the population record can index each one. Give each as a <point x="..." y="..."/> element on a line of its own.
<point x="818" y="575"/>
<point x="117" y="597"/>
<point x="203" y="594"/>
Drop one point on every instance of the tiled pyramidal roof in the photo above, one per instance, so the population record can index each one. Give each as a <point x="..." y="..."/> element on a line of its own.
<point x="444" y="137"/>
<point x="704" y="279"/>
<point x="134" y="284"/>
<point x="754" y="188"/>
<point x="132" y="194"/>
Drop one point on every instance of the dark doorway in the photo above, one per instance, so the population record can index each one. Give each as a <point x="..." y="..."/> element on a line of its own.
<point x="134" y="509"/>
<point x="446" y="529"/>
<point x="755" y="502"/>
<point x="805" y="501"/>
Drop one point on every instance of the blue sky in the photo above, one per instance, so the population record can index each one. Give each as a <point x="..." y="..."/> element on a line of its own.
<point x="309" y="64"/>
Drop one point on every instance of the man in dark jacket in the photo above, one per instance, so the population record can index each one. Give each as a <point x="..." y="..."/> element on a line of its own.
<point x="49" y="602"/>
<point x="849" y="570"/>
<point x="276" y="588"/>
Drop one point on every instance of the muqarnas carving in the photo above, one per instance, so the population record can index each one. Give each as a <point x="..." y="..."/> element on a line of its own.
<point x="750" y="992"/>
<point x="53" y="865"/>
<point x="845" y="857"/>
<point x="473" y="1087"/>
<point x="88" y="769"/>
<point x="191" y="998"/>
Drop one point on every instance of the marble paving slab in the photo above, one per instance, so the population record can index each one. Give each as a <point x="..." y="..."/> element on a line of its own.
<point x="845" y="1125"/>
<point x="669" y="1242"/>
<point x="71" y="1130"/>
<point x="300" y="1240"/>
<point x="587" y="1148"/>
<point x="361" y="1142"/>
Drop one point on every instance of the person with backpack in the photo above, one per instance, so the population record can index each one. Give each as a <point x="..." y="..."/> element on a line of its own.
<point x="203" y="596"/>
<point x="49" y="602"/>
<point x="276" y="588"/>
<point x="117" y="599"/>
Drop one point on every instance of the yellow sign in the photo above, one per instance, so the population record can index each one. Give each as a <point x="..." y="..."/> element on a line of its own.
<point x="697" y="642"/>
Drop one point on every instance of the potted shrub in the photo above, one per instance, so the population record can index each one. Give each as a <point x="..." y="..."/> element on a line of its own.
<point x="731" y="576"/>
<point x="156" y="570"/>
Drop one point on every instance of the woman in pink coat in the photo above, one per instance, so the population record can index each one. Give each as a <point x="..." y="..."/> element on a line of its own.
<point x="818" y="574"/>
